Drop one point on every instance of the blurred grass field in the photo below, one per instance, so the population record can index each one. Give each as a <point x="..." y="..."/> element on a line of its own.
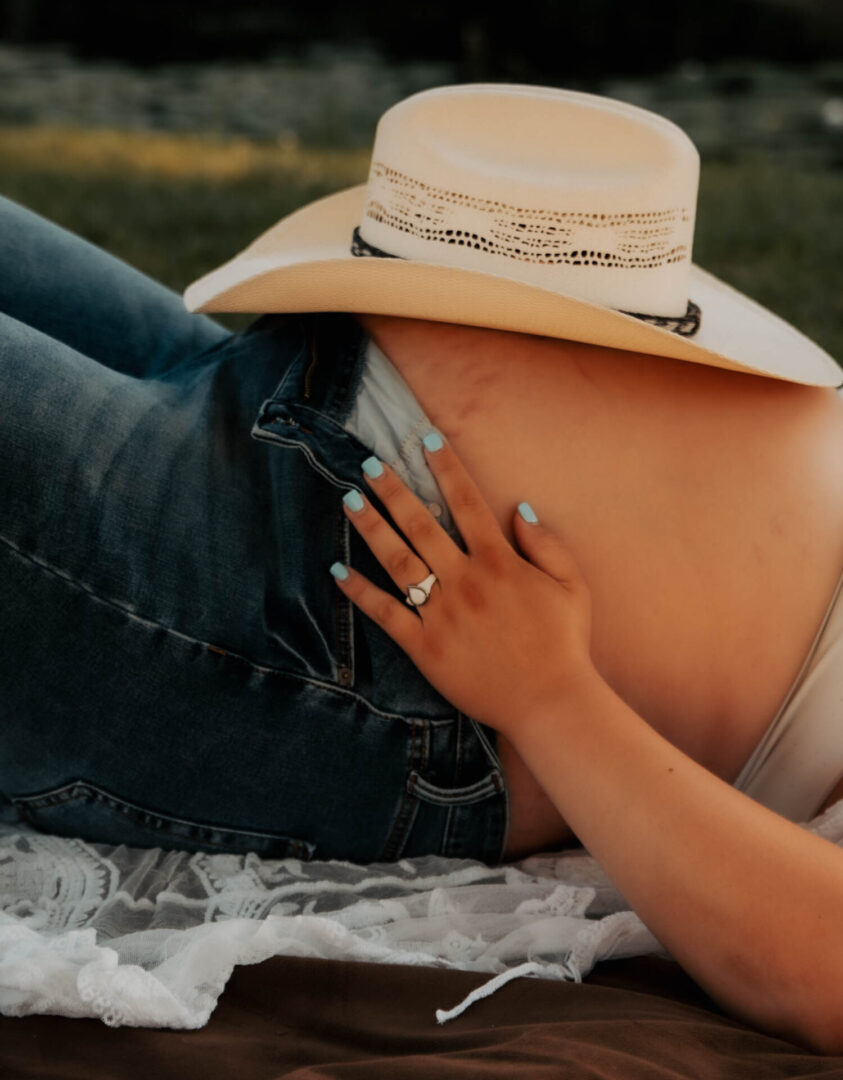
<point x="176" y="206"/>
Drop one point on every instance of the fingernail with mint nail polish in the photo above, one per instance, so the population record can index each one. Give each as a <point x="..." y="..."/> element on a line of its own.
<point x="372" y="467"/>
<point x="433" y="441"/>
<point x="353" y="500"/>
<point x="527" y="513"/>
<point x="339" y="571"/>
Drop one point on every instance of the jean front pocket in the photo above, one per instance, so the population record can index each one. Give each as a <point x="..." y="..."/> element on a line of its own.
<point x="491" y="784"/>
<point x="84" y="810"/>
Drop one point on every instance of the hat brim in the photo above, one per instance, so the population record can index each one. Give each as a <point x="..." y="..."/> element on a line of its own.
<point x="304" y="263"/>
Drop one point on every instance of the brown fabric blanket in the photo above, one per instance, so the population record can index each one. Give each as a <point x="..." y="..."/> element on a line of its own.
<point x="299" y="1019"/>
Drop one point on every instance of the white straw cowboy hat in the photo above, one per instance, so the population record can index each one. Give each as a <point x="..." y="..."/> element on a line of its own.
<point x="520" y="208"/>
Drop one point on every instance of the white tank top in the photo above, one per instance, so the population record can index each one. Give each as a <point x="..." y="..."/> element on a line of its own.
<point x="800" y="756"/>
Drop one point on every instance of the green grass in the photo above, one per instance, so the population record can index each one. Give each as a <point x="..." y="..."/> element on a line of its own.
<point x="177" y="206"/>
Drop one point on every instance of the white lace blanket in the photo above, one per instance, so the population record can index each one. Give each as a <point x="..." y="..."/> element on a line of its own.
<point x="148" y="938"/>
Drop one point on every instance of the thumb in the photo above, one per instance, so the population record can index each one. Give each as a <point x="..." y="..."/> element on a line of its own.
<point x="545" y="548"/>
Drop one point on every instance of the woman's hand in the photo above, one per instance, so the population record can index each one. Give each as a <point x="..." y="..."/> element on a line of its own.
<point x="500" y="637"/>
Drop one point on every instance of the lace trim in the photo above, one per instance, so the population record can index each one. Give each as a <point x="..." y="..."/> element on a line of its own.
<point x="686" y="325"/>
<point x="149" y="937"/>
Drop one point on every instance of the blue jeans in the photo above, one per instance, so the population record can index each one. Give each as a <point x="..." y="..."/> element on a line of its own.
<point x="177" y="667"/>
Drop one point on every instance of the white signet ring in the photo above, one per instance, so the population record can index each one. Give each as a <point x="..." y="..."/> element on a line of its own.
<point x="420" y="594"/>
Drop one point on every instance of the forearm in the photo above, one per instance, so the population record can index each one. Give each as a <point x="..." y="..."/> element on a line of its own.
<point x="750" y="904"/>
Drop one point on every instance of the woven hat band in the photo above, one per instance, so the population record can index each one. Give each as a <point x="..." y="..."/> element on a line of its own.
<point x="686" y="325"/>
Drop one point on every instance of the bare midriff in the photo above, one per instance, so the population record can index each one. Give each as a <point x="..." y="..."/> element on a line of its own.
<point x="704" y="507"/>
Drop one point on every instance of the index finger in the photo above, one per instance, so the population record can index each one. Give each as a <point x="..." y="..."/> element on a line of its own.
<point x="472" y="515"/>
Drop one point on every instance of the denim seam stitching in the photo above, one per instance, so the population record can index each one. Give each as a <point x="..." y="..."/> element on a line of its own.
<point x="503" y="789"/>
<point x="460" y="728"/>
<point x="343" y="614"/>
<point x="265" y="435"/>
<point x="298" y="407"/>
<point x="447" y="832"/>
<point x="480" y="789"/>
<point x="404" y="817"/>
<point x="146" y="622"/>
<point x="81" y="787"/>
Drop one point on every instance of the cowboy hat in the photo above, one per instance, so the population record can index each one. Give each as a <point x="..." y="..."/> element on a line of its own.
<point x="521" y="208"/>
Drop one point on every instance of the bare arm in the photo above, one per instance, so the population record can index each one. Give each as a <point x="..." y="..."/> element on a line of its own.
<point x="750" y="904"/>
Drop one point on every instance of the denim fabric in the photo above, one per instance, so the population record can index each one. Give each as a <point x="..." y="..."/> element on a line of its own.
<point x="177" y="667"/>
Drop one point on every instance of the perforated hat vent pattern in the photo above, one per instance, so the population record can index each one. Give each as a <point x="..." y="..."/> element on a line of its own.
<point x="643" y="240"/>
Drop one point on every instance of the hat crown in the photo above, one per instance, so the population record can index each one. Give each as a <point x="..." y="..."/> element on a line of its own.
<point x="576" y="193"/>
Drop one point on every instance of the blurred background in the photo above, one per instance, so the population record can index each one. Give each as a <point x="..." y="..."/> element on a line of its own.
<point x="172" y="132"/>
